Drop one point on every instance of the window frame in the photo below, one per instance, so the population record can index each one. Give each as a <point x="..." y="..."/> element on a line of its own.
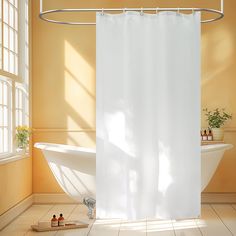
<point x="19" y="78"/>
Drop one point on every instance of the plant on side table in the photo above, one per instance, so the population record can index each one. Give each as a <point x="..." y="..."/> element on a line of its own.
<point x="216" y="119"/>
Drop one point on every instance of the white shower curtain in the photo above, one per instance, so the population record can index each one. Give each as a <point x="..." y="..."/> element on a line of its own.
<point x="148" y="115"/>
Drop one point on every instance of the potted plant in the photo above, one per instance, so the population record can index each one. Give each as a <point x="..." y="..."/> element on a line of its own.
<point x="22" y="137"/>
<point x="216" y="119"/>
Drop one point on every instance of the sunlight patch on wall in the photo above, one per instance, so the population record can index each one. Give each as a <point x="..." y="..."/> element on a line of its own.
<point x="79" y="89"/>
<point x="224" y="49"/>
<point x="79" y="67"/>
<point x="217" y="53"/>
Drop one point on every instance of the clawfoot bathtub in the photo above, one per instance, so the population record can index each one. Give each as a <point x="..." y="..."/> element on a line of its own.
<point x="75" y="167"/>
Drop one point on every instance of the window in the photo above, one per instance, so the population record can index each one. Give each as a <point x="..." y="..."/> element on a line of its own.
<point x="14" y="72"/>
<point x="10" y="36"/>
<point x="5" y="118"/>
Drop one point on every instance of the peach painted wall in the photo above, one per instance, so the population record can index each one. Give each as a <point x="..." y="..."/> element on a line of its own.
<point x="15" y="183"/>
<point x="218" y="88"/>
<point x="64" y="82"/>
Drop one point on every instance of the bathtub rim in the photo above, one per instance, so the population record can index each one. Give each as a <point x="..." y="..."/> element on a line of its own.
<point x="216" y="147"/>
<point x="64" y="148"/>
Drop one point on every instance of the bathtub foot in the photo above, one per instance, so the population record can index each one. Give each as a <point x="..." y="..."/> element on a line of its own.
<point x="90" y="204"/>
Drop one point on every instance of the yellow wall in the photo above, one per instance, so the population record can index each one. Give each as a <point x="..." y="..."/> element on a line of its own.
<point x="15" y="183"/>
<point x="64" y="82"/>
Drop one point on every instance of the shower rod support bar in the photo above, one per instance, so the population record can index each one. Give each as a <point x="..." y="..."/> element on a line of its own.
<point x="44" y="14"/>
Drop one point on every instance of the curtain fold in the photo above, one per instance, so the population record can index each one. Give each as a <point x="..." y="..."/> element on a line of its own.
<point x="148" y="115"/>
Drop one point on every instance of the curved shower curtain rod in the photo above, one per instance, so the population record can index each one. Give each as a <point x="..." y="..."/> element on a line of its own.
<point x="44" y="15"/>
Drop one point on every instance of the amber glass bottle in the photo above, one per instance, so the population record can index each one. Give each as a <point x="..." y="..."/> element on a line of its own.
<point x="210" y="136"/>
<point x="54" y="221"/>
<point x="61" y="220"/>
<point x="204" y="136"/>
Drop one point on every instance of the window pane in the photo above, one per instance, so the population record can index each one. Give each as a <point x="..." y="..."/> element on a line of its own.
<point x="5" y="60"/>
<point x="0" y="56"/>
<point x="11" y="16"/>
<point x="20" y="99"/>
<point x="1" y="116"/>
<point x="5" y="36"/>
<point x="1" y="92"/>
<point x="11" y="40"/>
<point x="16" y="64"/>
<point x="1" y="140"/>
<point x="22" y="105"/>
<point x="17" y="119"/>
<point x="16" y="96"/>
<point x="16" y="41"/>
<point x="11" y="63"/>
<point x="20" y="118"/>
<point x="5" y="12"/>
<point x="27" y="120"/>
<point x="27" y="104"/>
<point x="5" y="94"/>
<point x="16" y="19"/>
<point x="5" y="141"/>
<point x="5" y="116"/>
<point x="1" y="34"/>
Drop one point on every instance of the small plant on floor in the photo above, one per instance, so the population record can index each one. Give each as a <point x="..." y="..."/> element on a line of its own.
<point x="22" y="137"/>
<point x="217" y="117"/>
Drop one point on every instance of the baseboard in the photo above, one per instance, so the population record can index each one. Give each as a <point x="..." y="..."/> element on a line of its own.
<point x="52" y="198"/>
<point x="218" y="198"/>
<point x="15" y="211"/>
<point x="62" y="198"/>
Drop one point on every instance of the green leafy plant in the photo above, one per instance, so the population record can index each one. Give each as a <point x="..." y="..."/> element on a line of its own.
<point x="216" y="118"/>
<point x="22" y="136"/>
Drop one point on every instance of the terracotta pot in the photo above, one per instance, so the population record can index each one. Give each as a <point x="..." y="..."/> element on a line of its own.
<point x="218" y="134"/>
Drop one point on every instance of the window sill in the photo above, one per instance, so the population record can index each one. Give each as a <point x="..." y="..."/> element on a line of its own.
<point x="13" y="158"/>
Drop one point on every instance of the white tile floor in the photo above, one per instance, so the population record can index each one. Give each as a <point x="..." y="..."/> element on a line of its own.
<point x="216" y="220"/>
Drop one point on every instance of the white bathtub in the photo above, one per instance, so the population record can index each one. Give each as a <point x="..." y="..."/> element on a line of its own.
<point x="75" y="167"/>
<point x="211" y="156"/>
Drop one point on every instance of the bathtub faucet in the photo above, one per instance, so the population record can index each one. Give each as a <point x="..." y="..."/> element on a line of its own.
<point x="90" y="203"/>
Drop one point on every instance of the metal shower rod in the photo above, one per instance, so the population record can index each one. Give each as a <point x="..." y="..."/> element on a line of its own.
<point x="45" y="15"/>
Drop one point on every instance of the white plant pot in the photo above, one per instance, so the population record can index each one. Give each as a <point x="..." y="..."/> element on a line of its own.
<point x="218" y="134"/>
